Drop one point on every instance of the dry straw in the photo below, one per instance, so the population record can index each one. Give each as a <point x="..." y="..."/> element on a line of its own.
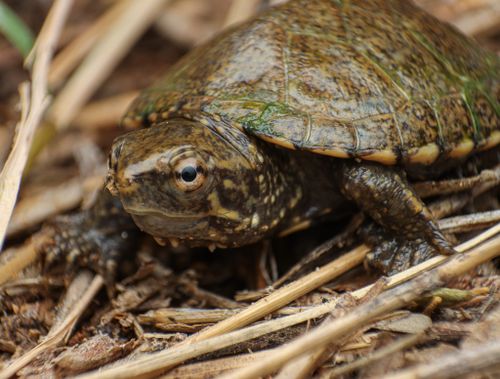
<point x="216" y="337"/>
<point x="34" y="101"/>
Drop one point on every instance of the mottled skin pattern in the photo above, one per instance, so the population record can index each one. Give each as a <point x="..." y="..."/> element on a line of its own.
<point x="380" y="84"/>
<point x="96" y="238"/>
<point x="245" y="196"/>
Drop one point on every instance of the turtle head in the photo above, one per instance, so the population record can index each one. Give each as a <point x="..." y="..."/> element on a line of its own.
<point x="199" y="183"/>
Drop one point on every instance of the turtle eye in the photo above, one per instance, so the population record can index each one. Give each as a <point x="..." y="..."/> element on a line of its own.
<point x="189" y="174"/>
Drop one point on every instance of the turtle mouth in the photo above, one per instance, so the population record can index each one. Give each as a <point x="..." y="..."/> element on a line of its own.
<point x="190" y="243"/>
<point x="144" y="212"/>
<point x="160" y="225"/>
<point x="190" y="231"/>
<point x="177" y="230"/>
<point x="180" y="231"/>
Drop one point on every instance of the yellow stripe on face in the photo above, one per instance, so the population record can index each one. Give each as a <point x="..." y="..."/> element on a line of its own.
<point x="218" y="210"/>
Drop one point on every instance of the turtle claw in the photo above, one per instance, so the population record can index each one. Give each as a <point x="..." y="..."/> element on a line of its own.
<point x="397" y="254"/>
<point x="441" y="244"/>
<point x="392" y="254"/>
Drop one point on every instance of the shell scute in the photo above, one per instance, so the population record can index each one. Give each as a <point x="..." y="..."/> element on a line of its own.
<point x="377" y="133"/>
<point x="378" y="79"/>
<point x="322" y="130"/>
<point x="487" y="117"/>
<point x="418" y="125"/>
<point x="387" y="37"/>
<point x="458" y="54"/>
<point x="335" y="80"/>
<point x="278" y="120"/>
<point x="456" y="120"/>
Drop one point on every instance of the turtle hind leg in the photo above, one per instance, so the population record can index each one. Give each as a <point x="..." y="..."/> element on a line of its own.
<point x="410" y="234"/>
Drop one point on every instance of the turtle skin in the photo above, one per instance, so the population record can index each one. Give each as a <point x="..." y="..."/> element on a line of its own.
<point x="311" y="105"/>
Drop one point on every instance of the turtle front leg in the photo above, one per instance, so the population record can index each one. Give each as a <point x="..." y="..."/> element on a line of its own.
<point x="96" y="238"/>
<point x="410" y="234"/>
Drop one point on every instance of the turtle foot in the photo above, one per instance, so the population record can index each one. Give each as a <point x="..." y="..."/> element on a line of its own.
<point x="393" y="254"/>
<point x="72" y="244"/>
<point x="97" y="239"/>
<point x="396" y="255"/>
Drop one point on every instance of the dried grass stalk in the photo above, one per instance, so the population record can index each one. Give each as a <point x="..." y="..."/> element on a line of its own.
<point x="71" y="55"/>
<point x="162" y="361"/>
<point x="110" y="49"/>
<point x="32" y="110"/>
<point x="363" y="314"/>
<point x="240" y="11"/>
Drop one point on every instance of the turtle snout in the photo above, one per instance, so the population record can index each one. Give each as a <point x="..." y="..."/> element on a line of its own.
<point x="110" y="183"/>
<point x="113" y="159"/>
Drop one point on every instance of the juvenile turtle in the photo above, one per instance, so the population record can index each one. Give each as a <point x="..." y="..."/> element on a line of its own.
<point x="309" y="105"/>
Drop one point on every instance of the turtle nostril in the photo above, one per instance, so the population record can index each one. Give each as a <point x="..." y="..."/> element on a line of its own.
<point x="110" y="183"/>
<point x="113" y="158"/>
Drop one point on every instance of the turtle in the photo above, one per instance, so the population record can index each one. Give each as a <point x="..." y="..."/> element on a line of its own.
<point x="287" y="117"/>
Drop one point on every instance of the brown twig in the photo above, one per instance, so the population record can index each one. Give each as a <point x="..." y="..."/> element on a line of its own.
<point x="40" y="56"/>
<point x="213" y="367"/>
<point x="163" y="318"/>
<point x="445" y="187"/>
<point x="193" y="347"/>
<point x="465" y="223"/>
<point x="452" y="225"/>
<point x="285" y="295"/>
<point x="274" y="3"/>
<point x="32" y="210"/>
<point x="20" y="258"/>
<point x="454" y="203"/>
<point x="482" y="22"/>
<point x="303" y="366"/>
<point x="105" y="112"/>
<point x="319" y="251"/>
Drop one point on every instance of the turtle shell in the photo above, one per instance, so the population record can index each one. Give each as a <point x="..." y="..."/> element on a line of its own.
<point x="376" y="80"/>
